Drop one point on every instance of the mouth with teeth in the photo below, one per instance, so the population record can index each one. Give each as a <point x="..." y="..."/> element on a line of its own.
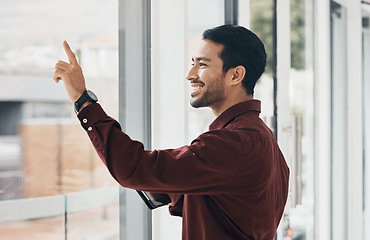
<point x="196" y="88"/>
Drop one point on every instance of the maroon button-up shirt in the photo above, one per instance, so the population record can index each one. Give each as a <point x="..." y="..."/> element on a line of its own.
<point x="233" y="178"/>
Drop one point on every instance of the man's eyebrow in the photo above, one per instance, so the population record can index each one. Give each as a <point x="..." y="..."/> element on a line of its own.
<point x="201" y="59"/>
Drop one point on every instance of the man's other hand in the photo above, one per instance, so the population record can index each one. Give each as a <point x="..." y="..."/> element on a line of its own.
<point x="174" y="198"/>
<point x="71" y="74"/>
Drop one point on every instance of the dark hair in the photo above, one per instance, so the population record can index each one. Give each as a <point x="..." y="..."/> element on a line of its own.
<point x="241" y="47"/>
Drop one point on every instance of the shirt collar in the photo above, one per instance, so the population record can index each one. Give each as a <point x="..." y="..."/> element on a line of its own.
<point x="228" y="115"/>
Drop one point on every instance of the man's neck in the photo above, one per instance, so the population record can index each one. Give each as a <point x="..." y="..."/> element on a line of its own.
<point x="219" y="108"/>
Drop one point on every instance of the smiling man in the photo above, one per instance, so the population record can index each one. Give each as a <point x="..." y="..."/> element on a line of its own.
<point x="232" y="181"/>
<point x="213" y="86"/>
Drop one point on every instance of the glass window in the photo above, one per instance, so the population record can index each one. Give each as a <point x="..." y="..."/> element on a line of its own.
<point x="45" y="155"/>
<point x="301" y="84"/>
<point x="200" y="20"/>
<point x="339" y="121"/>
<point x="262" y="24"/>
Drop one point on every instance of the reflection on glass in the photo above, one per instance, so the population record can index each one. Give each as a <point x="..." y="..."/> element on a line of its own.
<point x="43" y="150"/>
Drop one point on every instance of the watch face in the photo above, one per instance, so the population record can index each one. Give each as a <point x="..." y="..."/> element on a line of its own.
<point x="92" y="95"/>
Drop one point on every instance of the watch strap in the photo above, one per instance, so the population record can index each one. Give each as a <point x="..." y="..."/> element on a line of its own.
<point x="85" y="97"/>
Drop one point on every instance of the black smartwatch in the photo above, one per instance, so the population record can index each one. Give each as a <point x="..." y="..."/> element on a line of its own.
<point x="86" y="96"/>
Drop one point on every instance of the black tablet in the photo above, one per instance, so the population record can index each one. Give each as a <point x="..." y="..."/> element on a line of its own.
<point x="154" y="200"/>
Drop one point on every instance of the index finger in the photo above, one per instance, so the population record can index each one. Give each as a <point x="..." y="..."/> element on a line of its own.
<point x="71" y="56"/>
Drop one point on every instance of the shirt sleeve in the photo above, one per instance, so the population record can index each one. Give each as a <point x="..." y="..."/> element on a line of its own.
<point x="207" y="166"/>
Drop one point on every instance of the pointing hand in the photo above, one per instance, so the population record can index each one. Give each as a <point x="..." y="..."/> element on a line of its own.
<point x="71" y="74"/>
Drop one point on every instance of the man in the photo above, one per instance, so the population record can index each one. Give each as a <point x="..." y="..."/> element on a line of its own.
<point x="229" y="183"/>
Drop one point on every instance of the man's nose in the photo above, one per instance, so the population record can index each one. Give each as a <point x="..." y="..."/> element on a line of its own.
<point x="192" y="73"/>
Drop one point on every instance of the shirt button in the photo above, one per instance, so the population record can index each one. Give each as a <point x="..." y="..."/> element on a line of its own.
<point x="89" y="129"/>
<point x="84" y="120"/>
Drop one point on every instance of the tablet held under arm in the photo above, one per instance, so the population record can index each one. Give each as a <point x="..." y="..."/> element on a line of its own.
<point x="154" y="200"/>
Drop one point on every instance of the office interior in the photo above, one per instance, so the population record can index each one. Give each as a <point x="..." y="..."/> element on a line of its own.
<point x="135" y="55"/>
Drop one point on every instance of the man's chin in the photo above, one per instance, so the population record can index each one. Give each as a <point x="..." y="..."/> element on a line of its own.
<point x="197" y="104"/>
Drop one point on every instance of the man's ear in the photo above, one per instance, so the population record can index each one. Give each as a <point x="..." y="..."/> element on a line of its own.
<point x="238" y="74"/>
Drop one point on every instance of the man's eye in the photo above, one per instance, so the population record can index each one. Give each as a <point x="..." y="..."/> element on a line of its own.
<point x="202" y="64"/>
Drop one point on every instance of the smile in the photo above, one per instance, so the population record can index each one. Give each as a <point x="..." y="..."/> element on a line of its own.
<point x="196" y="88"/>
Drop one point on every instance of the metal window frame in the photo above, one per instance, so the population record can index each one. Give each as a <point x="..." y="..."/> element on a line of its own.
<point x="366" y="117"/>
<point x="231" y="12"/>
<point x="135" y="104"/>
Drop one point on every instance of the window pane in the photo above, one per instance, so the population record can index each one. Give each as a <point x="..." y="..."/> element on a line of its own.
<point x="200" y="20"/>
<point x="43" y="149"/>
<point x="262" y="24"/>
<point x="339" y="121"/>
<point x="301" y="85"/>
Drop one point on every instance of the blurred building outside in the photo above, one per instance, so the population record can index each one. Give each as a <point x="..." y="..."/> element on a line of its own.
<point x="43" y="150"/>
